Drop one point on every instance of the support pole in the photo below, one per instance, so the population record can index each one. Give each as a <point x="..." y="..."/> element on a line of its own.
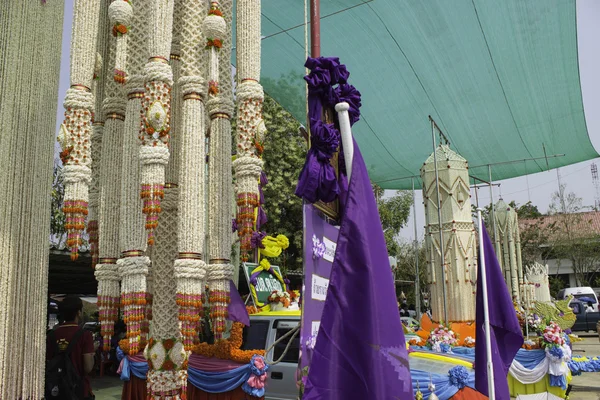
<point x="440" y="225"/>
<point x="417" y="283"/>
<point x="486" y="313"/>
<point x="315" y="28"/>
<point x="492" y="214"/>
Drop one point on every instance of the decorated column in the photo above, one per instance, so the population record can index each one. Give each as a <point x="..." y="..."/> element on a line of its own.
<point x="100" y="76"/>
<point x="133" y="264"/>
<point x="29" y="80"/>
<point x="77" y="126"/>
<point x="107" y="274"/>
<point x="459" y="261"/>
<point x="156" y="105"/>
<point x="249" y="96"/>
<point x="508" y="246"/>
<point x="190" y="267"/>
<point x="220" y="108"/>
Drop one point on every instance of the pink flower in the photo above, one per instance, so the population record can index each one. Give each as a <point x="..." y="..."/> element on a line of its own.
<point x="259" y="363"/>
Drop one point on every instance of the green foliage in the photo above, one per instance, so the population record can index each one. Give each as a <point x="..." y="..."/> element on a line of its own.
<point x="526" y="211"/>
<point x="284" y="155"/>
<point x="58" y="233"/>
<point x="406" y="269"/>
<point x="394" y="212"/>
<point x="288" y="87"/>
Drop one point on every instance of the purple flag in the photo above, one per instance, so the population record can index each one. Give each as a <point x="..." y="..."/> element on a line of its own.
<point x="236" y="308"/>
<point x="360" y="351"/>
<point x="505" y="332"/>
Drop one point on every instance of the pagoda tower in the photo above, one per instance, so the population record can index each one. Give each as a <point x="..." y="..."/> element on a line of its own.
<point x="454" y="278"/>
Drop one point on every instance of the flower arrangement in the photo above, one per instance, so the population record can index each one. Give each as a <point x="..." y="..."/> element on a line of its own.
<point x="531" y="344"/>
<point x="442" y="339"/>
<point x="415" y="342"/>
<point x="216" y="43"/>
<point x="469" y="342"/>
<point x="458" y="376"/>
<point x="535" y="322"/>
<point x="252" y="310"/>
<point x="228" y="349"/>
<point x="552" y="336"/>
<point x="279" y="296"/>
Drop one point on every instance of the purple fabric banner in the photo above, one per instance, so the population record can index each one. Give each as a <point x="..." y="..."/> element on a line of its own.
<point x="360" y="350"/>
<point x="505" y="332"/>
<point x="320" y="239"/>
<point x="236" y="308"/>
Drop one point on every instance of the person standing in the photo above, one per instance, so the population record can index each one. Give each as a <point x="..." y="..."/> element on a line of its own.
<point x="69" y="355"/>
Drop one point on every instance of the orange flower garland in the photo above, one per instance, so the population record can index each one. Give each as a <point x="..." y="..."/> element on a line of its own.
<point x="228" y="349"/>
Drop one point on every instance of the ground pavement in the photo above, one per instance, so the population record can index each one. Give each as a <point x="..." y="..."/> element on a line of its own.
<point x="585" y="387"/>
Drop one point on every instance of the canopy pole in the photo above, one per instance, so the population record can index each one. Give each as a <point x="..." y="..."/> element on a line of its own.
<point x="440" y="225"/>
<point x="315" y="28"/>
<point x="486" y="313"/>
<point x="492" y="214"/>
<point x="417" y="282"/>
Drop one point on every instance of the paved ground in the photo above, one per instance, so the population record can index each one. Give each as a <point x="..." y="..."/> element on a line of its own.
<point x="585" y="386"/>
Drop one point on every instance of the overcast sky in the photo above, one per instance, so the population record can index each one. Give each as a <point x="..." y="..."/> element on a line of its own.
<point x="536" y="188"/>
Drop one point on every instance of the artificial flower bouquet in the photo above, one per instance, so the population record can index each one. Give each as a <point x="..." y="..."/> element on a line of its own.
<point x="442" y="339"/>
<point x="469" y="342"/>
<point x="552" y="336"/>
<point x="279" y="300"/>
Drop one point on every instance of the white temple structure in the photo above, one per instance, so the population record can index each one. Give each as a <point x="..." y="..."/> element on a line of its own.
<point x="537" y="275"/>
<point x="458" y="269"/>
<point x="508" y="246"/>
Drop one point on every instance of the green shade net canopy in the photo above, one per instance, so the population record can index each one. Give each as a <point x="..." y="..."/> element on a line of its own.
<point x="500" y="78"/>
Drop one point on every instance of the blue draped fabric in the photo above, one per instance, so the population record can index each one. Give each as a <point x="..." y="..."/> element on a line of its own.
<point x="219" y="382"/>
<point x="558" y="381"/>
<point x="592" y="364"/>
<point x="138" y="368"/>
<point x="527" y="358"/>
<point x="443" y="388"/>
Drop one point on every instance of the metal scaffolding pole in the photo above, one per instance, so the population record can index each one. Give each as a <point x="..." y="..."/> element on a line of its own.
<point x="417" y="282"/>
<point x="439" y="210"/>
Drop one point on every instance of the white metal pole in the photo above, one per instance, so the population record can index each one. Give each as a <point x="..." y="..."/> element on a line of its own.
<point x="346" y="134"/>
<point x="417" y="282"/>
<point x="486" y="314"/>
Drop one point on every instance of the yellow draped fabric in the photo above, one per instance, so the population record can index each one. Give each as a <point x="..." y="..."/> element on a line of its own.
<point x="516" y="388"/>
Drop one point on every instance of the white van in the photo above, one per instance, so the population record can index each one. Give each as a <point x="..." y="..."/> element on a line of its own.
<point x="583" y="294"/>
<point x="264" y="330"/>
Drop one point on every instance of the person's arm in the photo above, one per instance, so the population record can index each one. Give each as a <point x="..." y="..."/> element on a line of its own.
<point x="88" y="352"/>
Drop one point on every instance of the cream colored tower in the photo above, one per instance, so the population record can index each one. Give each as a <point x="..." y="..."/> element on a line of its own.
<point x="460" y="263"/>
<point x="508" y="246"/>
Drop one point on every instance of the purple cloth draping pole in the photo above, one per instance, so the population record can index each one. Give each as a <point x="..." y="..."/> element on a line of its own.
<point x="505" y="331"/>
<point x="236" y="308"/>
<point x="327" y="86"/>
<point x="360" y="351"/>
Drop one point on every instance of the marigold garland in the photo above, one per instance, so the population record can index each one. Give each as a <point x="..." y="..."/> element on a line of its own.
<point x="228" y="349"/>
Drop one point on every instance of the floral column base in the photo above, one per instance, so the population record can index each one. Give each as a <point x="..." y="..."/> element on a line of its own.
<point x="167" y="374"/>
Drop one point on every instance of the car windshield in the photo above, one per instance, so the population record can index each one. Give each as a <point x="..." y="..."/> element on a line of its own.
<point x="585" y="298"/>
<point x="255" y="336"/>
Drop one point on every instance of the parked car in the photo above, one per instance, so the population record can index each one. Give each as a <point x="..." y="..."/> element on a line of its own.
<point x="263" y="331"/>
<point x="586" y="321"/>
<point x="580" y="293"/>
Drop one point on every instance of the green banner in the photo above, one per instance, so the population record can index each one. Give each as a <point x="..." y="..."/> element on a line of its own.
<point x="265" y="283"/>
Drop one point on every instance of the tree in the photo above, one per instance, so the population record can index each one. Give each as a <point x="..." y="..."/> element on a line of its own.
<point x="576" y="240"/>
<point x="406" y="268"/>
<point x="536" y="232"/>
<point x="393" y="212"/>
<point x="58" y="234"/>
<point x="284" y="156"/>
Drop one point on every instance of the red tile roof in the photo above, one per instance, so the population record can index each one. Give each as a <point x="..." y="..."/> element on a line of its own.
<point x="581" y="224"/>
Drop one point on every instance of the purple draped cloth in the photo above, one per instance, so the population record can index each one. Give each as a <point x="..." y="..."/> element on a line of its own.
<point x="236" y="308"/>
<point x="360" y="351"/>
<point x="505" y="331"/>
<point x="211" y="364"/>
<point x="327" y="86"/>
